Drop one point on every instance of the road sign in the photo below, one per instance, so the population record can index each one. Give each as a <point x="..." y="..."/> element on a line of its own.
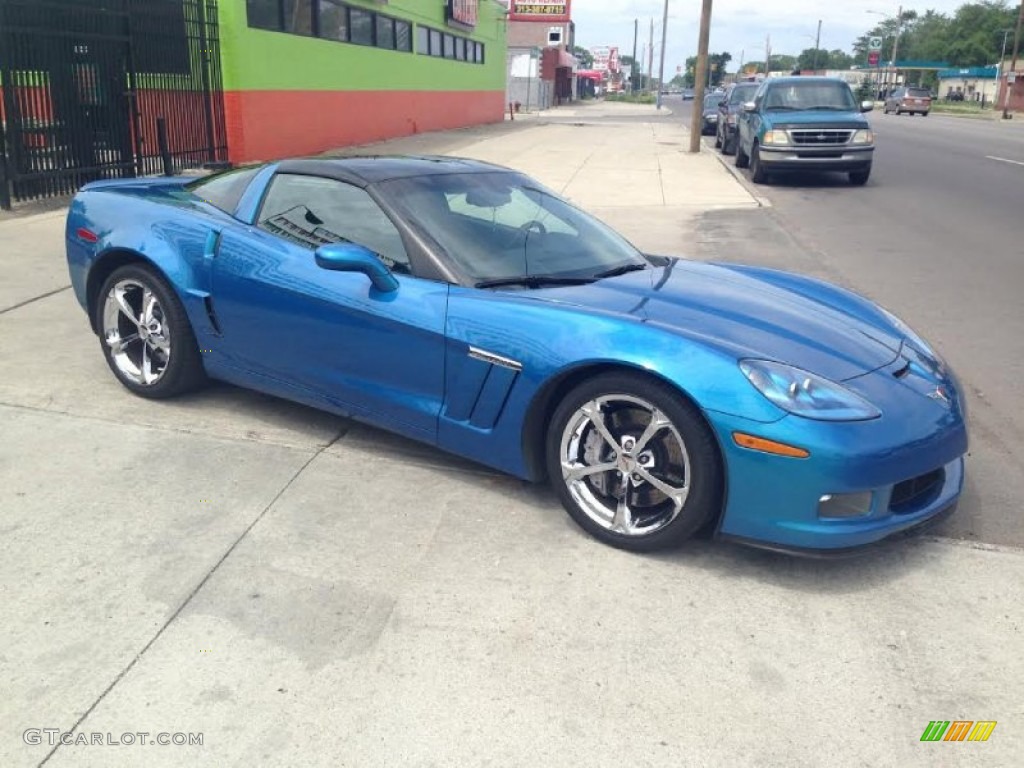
<point x="873" y="58"/>
<point x="875" y="44"/>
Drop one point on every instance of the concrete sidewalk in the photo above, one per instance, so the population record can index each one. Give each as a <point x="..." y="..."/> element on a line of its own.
<point x="305" y="591"/>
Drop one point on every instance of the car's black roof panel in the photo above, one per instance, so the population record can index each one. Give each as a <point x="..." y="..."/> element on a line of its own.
<point x="369" y="169"/>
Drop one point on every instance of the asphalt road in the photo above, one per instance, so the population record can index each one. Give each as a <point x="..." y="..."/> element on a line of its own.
<point x="936" y="237"/>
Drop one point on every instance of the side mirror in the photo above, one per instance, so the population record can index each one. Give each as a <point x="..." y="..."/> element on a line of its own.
<point x="867" y="106"/>
<point x="749" y="106"/>
<point x="349" y="257"/>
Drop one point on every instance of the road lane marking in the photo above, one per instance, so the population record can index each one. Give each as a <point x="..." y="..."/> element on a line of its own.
<point x="1003" y="160"/>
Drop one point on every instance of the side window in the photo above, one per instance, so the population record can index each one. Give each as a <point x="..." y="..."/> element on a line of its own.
<point x="312" y="211"/>
<point x="223" y="190"/>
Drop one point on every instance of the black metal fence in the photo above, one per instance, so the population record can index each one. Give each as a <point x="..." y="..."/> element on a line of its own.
<point x="86" y="85"/>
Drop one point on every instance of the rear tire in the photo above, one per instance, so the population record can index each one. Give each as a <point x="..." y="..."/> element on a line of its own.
<point x="623" y="507"/>
<point x="145" y="334"/>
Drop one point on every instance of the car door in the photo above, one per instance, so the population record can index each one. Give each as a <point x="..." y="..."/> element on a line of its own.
<point x="327" y="336"/>
<point x="747" y="122"/>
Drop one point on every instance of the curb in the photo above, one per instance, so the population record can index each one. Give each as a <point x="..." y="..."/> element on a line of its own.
<point x="737" y="174"/>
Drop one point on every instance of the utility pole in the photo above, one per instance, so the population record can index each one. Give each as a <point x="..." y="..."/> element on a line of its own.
<point x="817" y="45"/>
<point x="650" y="55"/>
<point x="767" y="54"/>
<point x="739" y="69"/>
<point x="1013" y="65"/>
<point x="661" y="66"/>
<point x="634" y="79"/>
<point x="701" y="74"/>
<point x="895" y="51"/>
<point x="999" y="67"/>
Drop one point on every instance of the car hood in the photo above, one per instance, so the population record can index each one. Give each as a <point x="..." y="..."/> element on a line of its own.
<point x="818" y="118"/>
<point x="746" y="315"/>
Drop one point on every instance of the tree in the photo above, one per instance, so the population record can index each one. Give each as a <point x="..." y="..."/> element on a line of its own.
<point x="717" y="63"/>
<point x="583" y="56"/>
<point x="814" y="58"/>
<point x="839" y="59"/>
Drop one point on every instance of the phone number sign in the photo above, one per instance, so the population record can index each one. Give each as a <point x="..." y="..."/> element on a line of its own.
<point x="549" y="10"/>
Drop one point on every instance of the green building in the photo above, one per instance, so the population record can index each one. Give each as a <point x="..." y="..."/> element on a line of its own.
<point x="302" y="76"/>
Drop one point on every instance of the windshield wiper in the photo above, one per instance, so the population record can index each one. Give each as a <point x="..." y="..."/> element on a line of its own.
<point x="534" y="281"/>
<point x="833" y="109"/>
<point x="616" y="271"/>
<point x="783" y="108"/>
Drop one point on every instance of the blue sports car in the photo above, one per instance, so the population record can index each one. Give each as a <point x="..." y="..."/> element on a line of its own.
<point x="465" y="305"/>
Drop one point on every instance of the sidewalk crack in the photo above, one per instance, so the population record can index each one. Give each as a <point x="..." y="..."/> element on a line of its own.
<point x="188" y="599"/>
<point x="34" y="299"/>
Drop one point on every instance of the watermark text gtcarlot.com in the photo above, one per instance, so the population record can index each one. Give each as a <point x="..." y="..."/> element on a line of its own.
<point x="54" y="736"/>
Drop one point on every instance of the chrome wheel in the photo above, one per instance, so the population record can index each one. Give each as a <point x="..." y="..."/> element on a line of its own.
<point x="625" y="464"/>
<point x="137" y="332"/>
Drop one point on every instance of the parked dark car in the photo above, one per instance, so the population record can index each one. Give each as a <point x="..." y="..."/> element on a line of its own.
<point x="709" y="117"/>
<point x="729" y="106"/>
<point x="805" y="124"/>
<point x="687" y="94"/>
<point x="916" y="101"/>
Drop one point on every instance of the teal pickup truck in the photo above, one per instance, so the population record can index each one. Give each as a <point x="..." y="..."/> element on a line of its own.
<point x="805" y="124"/>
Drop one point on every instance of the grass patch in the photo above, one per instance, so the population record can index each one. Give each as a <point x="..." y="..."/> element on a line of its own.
<point x="632" y="98"/>
<point x="961" y="109"/>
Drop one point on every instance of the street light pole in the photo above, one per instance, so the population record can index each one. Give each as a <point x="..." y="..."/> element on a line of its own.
<point x="661" y="66"/>
<point x="817" y="45"/>
<point x="633" y="79"/>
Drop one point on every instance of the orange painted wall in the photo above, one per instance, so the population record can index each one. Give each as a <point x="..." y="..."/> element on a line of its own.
<point x="267" y="125"/>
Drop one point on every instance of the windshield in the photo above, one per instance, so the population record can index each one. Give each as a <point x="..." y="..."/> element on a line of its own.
<point x="502" y="225"/>
<point x="811" y="95"/>
<point x="742" y="93"/>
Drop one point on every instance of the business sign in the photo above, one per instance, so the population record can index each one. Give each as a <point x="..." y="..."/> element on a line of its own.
<point x="606" y="58"/>
<point x="463" y="12"/>
<point x="540" y="10"/>
<point x="875" y="44"/>
<point x="873" y="58"/>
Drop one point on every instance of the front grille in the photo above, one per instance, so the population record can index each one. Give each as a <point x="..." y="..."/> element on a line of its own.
<point x="915" y="493"/>
<point x="819" y="137"/>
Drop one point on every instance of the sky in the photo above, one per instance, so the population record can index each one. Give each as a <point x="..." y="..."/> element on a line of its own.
<point x="736" y="25"/>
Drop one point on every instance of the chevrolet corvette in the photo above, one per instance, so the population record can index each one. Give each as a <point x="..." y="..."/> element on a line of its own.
<point x="467" y="306"/>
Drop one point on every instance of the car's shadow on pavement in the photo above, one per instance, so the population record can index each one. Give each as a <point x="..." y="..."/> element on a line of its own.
<point x="361" y="443"/>
<point x="800" y="180"/>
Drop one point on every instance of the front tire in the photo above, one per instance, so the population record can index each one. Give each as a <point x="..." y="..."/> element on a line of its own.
<point x="633" y="462"/>
<point x="742" y="160"/>
<point x="145" y="335"/>
<point x="860" y="178"/>
<point x="758" y="174"/>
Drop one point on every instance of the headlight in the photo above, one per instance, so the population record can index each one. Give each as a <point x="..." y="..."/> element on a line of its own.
<point x="806" y="394"/>
<point x="775" y="137"/>
<point x="863" y="136"/>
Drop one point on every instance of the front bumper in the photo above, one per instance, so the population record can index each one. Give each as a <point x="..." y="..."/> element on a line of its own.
<point x="774" y="501"/>
<point x="792" y="158"/>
